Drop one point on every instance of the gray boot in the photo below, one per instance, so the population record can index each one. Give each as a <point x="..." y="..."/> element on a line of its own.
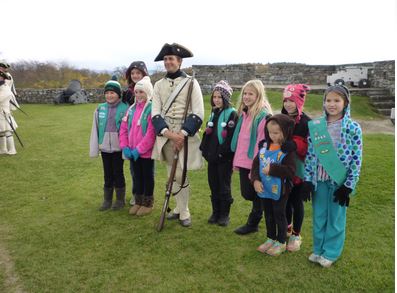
<point x="107" y="198"/>
<point x="120" y="199"/>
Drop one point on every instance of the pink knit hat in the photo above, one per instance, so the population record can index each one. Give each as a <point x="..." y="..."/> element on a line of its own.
<point x="296" y="93"/>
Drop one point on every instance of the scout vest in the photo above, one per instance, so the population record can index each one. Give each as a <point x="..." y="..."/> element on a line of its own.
<point x="143" y="120"/>
<point x="325" y="151"/>
<point x="103" y="118"/>
<point x="222" y="122"/>
<point x="272" y="186"/>
<point x="253" y="134"/>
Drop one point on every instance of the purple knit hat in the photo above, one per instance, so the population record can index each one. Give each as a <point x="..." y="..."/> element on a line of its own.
<point x="225" y="89"/>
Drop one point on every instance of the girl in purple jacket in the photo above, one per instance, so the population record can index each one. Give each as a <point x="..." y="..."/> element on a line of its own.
<point x="137" y="137"/>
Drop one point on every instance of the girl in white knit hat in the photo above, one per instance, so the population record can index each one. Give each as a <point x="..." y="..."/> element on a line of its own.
<point x="137" y="137"/>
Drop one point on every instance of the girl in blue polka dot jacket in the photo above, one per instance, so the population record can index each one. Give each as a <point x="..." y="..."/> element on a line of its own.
<point x="332" y="170"/>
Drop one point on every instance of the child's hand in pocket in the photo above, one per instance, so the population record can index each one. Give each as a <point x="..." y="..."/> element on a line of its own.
<point x="258" y="186"/>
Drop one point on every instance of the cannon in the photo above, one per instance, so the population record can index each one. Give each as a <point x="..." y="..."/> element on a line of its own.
<point x="74" y="94"/>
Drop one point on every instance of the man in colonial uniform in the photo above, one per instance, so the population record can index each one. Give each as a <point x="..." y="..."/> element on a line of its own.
<point x="4" y="67"/>
<point x="7" y="122"/>
<point x="168" y="107"/>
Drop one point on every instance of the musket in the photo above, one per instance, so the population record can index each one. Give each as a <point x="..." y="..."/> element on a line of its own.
<point x="15" y="105"/>
<point x="168" y="192"/>
<point x="171" y="178"/>
<point x="12" y="127"/>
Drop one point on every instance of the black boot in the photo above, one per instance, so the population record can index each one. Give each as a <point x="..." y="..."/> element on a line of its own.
<point x="246" y="229"/>
<point x="120" y="199"/>
<point x="224" y="219"/>
<point x="213" y="219"/>
<point x="107" y="198"/>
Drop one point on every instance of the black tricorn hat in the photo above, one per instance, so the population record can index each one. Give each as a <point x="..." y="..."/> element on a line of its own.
<point x="173" y="49"/>
<point x="5" y="75"/>
<point x="4" y="64"/>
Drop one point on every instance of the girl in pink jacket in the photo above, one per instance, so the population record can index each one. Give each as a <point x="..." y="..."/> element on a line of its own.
<point x="253" y="109"/>
<point x="137" y="137"/>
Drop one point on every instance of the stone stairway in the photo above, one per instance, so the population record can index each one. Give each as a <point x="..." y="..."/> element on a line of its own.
<point x="382" y="100"/>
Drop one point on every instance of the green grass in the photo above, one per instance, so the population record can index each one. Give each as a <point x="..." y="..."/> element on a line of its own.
<point x="60" y="242"/>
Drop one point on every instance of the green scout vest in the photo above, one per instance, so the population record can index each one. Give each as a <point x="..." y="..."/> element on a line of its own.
<point x="223" y="118"/>
<point x="103" y="118"/>
<point x="144" y="117"/>
<point x="253" y="135"/>
<point x="325" y="151"/>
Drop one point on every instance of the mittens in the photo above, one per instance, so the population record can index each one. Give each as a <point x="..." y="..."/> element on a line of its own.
<point x="342" y="195"/>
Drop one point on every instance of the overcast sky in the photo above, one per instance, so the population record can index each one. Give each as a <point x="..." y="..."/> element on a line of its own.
<point x="107" y="34"/>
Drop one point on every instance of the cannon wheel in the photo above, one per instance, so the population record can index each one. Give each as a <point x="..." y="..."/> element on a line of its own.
<point x="339" y="82"/>
<point x="363" y="83"/>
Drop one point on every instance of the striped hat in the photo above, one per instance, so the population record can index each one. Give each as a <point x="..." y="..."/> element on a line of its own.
<point x="113" y="85"/>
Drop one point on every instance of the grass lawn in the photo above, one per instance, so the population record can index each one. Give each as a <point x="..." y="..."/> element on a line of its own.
<point x="60" y="242"/>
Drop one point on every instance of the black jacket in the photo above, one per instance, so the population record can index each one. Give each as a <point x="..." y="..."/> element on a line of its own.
<point x="213" y="151"/>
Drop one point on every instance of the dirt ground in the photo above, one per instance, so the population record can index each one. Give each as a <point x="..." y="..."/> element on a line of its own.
<point x="377" y="126"/>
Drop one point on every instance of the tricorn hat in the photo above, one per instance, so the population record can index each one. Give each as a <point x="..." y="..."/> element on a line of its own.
<point x="173" y="49"/>
<point x="5" y="75"/>
<point x="4" y="64"/>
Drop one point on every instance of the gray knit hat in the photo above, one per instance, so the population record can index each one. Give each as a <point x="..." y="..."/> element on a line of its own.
<point x="339" y="89"/>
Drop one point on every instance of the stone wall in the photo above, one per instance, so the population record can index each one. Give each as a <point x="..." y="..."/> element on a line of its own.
<point x="381" y="75"/>
<point x="46" y="96"/>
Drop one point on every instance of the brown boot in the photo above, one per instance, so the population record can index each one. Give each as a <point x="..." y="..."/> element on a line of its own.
<point x="138" y="204"/>
<point x="147" y="206"/>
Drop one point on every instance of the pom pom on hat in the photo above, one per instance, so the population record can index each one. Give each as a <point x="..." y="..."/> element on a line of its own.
<point x="145" y="85"/>
<point x="113" y="85"/>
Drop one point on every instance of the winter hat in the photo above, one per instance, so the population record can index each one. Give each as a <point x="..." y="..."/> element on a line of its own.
<point x="225" y="89"/>
<point x="340" y="90"/>
<point x="4" y="64"/>
<point x="113" y="85"/>
<point x="140" y="65"/>
<point x="296" y="93"/>
<point x="145" y="85"/>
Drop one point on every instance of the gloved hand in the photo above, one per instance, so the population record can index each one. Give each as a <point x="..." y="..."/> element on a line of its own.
<point x="288" y="146"/>
<point x="134" y="154"/>
<point x="342" y="195"/>
<point x="306" y="192"/>
<point x="127" y="153"/>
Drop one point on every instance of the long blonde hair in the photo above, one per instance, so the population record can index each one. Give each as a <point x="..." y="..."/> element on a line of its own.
<point x="261" y="103"/>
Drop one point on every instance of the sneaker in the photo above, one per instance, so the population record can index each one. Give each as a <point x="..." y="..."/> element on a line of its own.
<point x="294" y="243"/>
<point x="314" y="258"/>
<point x="276" y="249"/>
<point x="265" y="246"/>
<point x="325" y="263"/>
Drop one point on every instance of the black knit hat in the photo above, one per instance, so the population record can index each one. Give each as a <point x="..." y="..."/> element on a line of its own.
<point x="4" y="64"/>
<point x="173" y="49"/>
<point x="140" y="65"/>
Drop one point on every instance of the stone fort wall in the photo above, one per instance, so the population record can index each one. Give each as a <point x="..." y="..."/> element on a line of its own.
<point x="381" y="75"/>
